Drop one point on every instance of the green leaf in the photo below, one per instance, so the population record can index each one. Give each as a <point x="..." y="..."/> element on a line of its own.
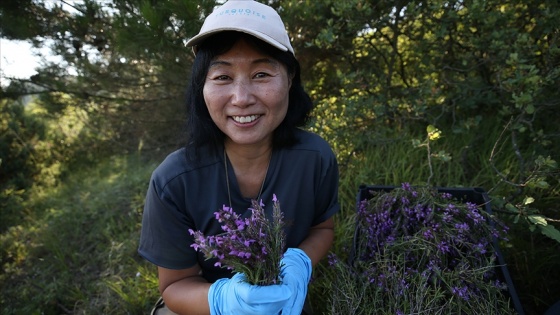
<point x="551" y="232"/>
<point x="542" y="184"/>
<point x="530" y="109"/>
<point x="442" y="155"/>
<point x="538" y="219"/>
<point x="528" y="200"/>
<point x="512" y="208"/>
<point x="548" y="162"/>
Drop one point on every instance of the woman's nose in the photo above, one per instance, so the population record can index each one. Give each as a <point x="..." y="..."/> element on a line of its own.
<point x="243" y="94"/>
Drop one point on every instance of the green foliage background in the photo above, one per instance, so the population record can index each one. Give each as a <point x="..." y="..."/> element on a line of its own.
<point x="79" y="139"/>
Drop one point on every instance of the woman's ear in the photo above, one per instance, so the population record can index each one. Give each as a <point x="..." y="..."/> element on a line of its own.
<point x="290" y="80"/>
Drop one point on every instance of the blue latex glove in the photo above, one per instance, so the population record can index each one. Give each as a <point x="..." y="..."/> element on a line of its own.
<point x="235" y="296"/>
<point x="295" y="272"/>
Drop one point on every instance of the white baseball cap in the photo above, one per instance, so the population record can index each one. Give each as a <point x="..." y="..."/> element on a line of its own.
<point x="249" y="17"/>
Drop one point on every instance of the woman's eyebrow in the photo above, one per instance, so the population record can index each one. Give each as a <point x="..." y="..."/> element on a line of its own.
<point x="269" y="61"/>
<point x="219" y="63"/>
<point x="265" y="60"/>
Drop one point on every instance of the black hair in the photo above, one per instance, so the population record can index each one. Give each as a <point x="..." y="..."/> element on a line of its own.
<point x="201" y="129"/>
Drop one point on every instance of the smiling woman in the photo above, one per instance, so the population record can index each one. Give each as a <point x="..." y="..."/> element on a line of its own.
<point x="246" y="105"/>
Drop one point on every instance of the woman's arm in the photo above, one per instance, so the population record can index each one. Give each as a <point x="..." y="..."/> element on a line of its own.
<point x="184" y="291"/>
<point x="319" y="241"/>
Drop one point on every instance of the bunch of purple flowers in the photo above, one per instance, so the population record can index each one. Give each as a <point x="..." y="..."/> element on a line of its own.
<point x="454" y="227"/>
<point x="419" y="250"/>
<point x="253" y="246"/>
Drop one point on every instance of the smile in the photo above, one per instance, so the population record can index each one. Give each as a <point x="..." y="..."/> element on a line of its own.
<point x="245" y="119"/>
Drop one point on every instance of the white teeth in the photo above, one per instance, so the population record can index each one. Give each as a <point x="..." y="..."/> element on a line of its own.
<point x="245" y="119"/>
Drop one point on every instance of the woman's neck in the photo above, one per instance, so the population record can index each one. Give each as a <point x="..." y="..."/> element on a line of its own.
<point x="250" y="165"/>
<point x="247" y="156"/>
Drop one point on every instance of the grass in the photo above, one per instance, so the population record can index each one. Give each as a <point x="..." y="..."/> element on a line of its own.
<point x="74" y="251"/>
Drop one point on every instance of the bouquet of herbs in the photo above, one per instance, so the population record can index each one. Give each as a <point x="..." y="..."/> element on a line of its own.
<point x="253" y="246"/>
<point x="419" y="251"/>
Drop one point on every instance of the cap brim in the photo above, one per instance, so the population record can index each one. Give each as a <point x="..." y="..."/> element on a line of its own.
<point x="198" y="39"/>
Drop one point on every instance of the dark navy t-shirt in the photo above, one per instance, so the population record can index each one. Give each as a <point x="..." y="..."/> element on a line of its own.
<point x="183" y="195"/>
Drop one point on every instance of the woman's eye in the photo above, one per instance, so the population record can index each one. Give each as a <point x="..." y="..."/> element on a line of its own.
<point x="261" y="75"/>
<point x="221" y="77"/>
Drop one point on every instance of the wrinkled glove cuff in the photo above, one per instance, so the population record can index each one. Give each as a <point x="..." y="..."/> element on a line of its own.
<point x="213" y="292"/>
<point x="302" y="259"/>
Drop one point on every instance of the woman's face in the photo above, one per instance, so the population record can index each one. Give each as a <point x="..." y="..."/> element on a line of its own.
<point x="246" y="93"/>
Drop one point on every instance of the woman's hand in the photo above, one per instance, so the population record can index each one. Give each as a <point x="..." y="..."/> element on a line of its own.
<point x="235" y="296"/>
<point x="295" y="272"/>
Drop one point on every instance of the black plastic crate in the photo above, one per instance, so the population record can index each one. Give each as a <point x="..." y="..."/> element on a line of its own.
<point x="475" y="195"/>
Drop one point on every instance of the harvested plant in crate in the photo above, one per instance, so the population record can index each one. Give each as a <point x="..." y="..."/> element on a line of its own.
<point x="419" y="251"/>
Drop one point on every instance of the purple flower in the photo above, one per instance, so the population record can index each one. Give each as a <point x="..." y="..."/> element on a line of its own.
<point x="405" y="200"/>
<point x="443" y="247"/>
<point x="253" y="246"/>
<point x="447" y="218"/>
<point x="333" y="259"/>
<point x="462" y="292"/>
<point x="481" y="248"/>
<point x="446" y="196"/>
<point x="462" y="227"/>
<point x="428" y="234"/>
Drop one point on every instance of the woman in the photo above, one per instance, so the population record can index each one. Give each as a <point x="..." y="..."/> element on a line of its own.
<point x="245" y="104"/>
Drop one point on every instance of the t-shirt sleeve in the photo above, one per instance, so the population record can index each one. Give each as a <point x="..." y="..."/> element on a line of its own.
<point x="164" y="239"/>
<point x="327" y="191"/>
